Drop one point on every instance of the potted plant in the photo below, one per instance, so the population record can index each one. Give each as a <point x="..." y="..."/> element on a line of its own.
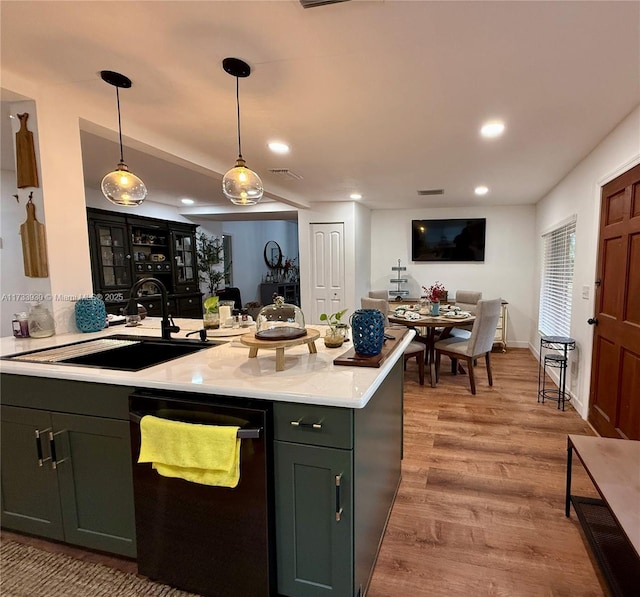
<point x="433" y="294"/>
<point x="210" y="250"/>
<point x="337" y="330"/>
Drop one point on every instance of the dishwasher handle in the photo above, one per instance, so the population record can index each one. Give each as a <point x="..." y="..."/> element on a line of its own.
<point x="136" y="417"/>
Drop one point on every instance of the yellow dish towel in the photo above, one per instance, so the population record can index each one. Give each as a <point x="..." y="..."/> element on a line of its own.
<point x="206" y="454"/>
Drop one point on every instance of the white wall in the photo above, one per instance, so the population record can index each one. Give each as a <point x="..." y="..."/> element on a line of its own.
<point x="16" y="288"/>
<point x="506" y="271"/>
<point x="579" y="193"/>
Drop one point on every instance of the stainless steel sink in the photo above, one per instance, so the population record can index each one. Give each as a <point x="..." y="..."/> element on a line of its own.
<point x="122" y="352"/>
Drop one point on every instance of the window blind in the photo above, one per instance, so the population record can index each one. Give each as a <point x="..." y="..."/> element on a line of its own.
<point x="556" y="287"/>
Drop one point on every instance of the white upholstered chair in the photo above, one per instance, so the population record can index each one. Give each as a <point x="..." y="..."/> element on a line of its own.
<point x="415" y="349"/>
<point x="478" y="344"/>
<point x="467" y="300"/>
<point x="379" y="294"/>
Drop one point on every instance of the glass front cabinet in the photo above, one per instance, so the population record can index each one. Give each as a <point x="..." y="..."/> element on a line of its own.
<point x="111" y="256"/>
<point x="125" y="249"/>
<point x="184" y="254"/>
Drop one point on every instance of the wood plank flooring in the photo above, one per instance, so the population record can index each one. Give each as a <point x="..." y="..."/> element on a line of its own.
<point x="480" y="510"/>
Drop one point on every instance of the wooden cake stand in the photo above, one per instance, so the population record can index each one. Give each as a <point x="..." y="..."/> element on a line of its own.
<point x="254" y="344"/>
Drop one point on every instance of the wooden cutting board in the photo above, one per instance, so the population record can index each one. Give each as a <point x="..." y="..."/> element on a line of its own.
<point x="34" y="245"/>
<point x="355" y="360"/>
<point x="26" y="168"/>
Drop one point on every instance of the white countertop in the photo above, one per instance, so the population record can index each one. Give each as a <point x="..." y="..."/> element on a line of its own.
<point x="223" y="369"/>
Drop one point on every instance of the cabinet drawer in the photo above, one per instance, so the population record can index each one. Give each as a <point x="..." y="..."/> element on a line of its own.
<point x="190" y="307"/>
<point x="295" y="423"/>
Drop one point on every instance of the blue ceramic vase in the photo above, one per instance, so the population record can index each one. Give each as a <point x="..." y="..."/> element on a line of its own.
<point x="367" y="331"/>
<point x="91" y="314"/>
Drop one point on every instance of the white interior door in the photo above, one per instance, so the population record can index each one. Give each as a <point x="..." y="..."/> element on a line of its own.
<point x="327" y="268"/>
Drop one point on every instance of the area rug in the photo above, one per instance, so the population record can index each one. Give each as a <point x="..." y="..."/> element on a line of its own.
<point x="27" y="571"/>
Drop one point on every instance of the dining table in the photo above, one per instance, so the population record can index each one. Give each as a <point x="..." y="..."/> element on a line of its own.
<point x="425" y="327"/>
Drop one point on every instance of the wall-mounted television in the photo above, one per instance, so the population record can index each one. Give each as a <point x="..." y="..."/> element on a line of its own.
<point x="448" y="240"/>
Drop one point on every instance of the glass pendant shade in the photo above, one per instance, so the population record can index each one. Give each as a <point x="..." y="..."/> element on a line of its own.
<point x="123" y="187"/>
<point x="241" y="185"/>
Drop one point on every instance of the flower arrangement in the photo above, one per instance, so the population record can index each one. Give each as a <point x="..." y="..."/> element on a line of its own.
<point x="434" y="292"/>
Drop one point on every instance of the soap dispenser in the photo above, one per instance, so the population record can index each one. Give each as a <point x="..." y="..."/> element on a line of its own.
<point x="40" y="322"/>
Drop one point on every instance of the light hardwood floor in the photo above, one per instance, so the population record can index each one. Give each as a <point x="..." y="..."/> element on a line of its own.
<point x="480" y="510"/>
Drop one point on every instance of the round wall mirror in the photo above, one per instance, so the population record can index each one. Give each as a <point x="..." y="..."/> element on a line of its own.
<point x="273" y="254"/>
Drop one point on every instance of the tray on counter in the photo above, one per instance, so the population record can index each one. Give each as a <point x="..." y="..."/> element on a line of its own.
<point x="355" y="360"/>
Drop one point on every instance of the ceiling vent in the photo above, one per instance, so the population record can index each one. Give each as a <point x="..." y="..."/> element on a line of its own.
<point x="314" y="3"/>
<point x="285" y="172"/>
<point x="427" y="192"/>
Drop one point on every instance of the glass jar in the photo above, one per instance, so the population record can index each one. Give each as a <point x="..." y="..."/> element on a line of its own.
<point x="280" y="321"/>
<point x="41" y="322"/>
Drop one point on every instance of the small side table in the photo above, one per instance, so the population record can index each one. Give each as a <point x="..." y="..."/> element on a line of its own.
<point x="555" y="361"/>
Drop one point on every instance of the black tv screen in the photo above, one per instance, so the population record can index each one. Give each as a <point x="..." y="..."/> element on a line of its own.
<point x="448" y="240"/>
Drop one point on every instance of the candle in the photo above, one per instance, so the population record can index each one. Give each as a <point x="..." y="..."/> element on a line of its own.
<point x="225" y="313"/>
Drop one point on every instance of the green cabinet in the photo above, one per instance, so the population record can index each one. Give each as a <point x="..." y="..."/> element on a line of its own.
<point x="67" y="476"/>
<point x="337" y="471"/>
<point x="314" y="520"/>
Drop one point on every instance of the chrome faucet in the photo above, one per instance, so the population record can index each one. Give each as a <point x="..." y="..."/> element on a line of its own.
<point x="168" y="327"/>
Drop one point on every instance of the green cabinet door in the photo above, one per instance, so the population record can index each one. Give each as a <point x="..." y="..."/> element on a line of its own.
<point x="30" y="496"/>
<point x="95" y="478"/>
<point x="83" y="491"/>
<point x="314" y="520"/>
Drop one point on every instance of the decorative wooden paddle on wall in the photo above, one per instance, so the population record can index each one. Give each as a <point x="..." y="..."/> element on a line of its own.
<point x="26" y="168"/>
<point x="34" y="244"/>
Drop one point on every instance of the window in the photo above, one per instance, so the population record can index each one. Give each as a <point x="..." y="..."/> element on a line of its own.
<point x="556" y="285"/>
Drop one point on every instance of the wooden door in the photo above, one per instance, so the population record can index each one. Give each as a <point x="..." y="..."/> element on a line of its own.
<point x="327" y="269"/>
<point x="614" y="405"/>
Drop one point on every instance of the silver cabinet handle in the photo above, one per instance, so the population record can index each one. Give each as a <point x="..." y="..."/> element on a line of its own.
<point x="52" y="445"/>
<point x="301" y="423"/>
<point x="39" y="448"/>
<point x="338" y="497"/>
<point x="39" y="435"/>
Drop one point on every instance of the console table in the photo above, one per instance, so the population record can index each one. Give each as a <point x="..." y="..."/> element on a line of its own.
<point x="611" y="524"/>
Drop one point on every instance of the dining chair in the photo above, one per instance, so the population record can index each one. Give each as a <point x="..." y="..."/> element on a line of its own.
<point x="415" y="349"/>
<point x="230" y="293"/>
<point x="379" y="294"/>
<point x="478" y="344"/>
<point x="467" y="300"/>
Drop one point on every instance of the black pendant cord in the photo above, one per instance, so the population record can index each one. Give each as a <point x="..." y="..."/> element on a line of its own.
<point x="119" y="125"/>
<point x="238" y="107"/>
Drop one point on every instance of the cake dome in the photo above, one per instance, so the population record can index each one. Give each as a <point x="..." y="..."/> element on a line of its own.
<point x="280" y="321"/>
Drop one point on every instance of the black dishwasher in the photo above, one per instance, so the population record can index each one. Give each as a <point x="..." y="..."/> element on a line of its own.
<point x="214" y="541"/>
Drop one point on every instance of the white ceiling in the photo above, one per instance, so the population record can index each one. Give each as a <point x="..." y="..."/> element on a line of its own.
<point x="379" y="97"/>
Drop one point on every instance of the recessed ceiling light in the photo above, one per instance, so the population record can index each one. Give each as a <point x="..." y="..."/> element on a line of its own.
<point x="187" y="201"/>
<point x="278" y="147"/>
<point x="355" y="196"/>
<point x="481" y="190"/>
<point x="492" y="129"/>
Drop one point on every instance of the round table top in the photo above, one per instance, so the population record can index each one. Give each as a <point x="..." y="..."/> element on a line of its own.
<point x="430" y="321"/>
<point x="558" y="340"/>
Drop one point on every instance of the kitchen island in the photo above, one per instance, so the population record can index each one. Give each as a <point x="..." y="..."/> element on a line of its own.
<point x="329" y="423"/>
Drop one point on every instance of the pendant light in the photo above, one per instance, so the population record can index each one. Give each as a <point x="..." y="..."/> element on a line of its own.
<point x="121" y="186"/>
<point x="240" y="185"/>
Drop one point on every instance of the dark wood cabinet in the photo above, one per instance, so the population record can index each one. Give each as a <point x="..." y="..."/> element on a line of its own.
<point x="125" y="249"/>
<point x="289" y="290"/>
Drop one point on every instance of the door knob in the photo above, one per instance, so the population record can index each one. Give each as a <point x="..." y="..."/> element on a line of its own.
<point x="592" y="321"/>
